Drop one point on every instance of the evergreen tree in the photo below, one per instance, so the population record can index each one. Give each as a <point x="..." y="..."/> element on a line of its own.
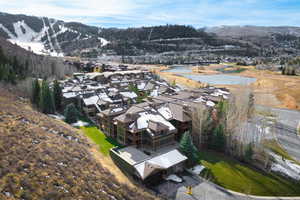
<point x="249" y="152"/>
<point x="2" y="71"/>
<point x="36" y="89"/>
<point x="3" y="58"/>
<point x="218" y="138"/>
<point x="46" y="99"/>
<point x="57" y="94"/>
<point x="7" y="74"/>
<point x="12" y="77"/>
<point x="71" y="114"/>
<point x="133" y="88"/>
<point x="187" y="147"/>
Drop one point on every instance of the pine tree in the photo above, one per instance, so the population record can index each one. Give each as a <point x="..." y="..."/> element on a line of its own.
<point x="12" y="77"/>
<point x="3" y="58"/>
<point x="187" y="147"/>
<point x="132" y="87"/>
<point x="1" y="71"/>
<point x="218" y="138"/>
<point x="36" y="90"/>
<point x="249" y="152"/>
<point x="46" y="99"/>
<point x="71" y="114"/>
<point x="5" y="72"/>
<point x="57" y="94"/>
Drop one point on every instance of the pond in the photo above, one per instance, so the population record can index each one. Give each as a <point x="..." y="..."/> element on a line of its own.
<point x="220" y="79"/>
<point x="179" y="69"/>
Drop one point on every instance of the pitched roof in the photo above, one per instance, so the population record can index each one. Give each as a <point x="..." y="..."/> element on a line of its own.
<point x="113" y="111"/>
<point x="179" y="112"/>
<point x="157" y="126"/>
<point x="142" y="122"/>
<point x="149" y="86"/>
<point x="160" y="162"/>
<point x="126" y="118"/>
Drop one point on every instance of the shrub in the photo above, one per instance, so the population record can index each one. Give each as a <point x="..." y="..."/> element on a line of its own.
<point x="71" y="114"/>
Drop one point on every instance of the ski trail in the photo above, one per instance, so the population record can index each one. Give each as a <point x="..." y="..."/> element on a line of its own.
<point x="58" y="49"/>
<point x="11" y="35"/>
<point x="47" y="33"/>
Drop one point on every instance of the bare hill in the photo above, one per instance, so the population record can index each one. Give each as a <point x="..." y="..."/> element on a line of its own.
<point x="42" y="158"/>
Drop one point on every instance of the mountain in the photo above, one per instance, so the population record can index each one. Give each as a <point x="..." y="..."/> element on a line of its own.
<point x="261" y="31"/>
<point x="48" y="36"/>
<point x="269" y="41"/>
<point x="43" y="35"/>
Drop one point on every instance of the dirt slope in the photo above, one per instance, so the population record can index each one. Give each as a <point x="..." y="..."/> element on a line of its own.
<point x="42" y="158"/>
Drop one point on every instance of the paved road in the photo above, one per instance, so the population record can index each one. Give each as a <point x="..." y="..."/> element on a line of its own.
<point x="289" y="140"/>
<point x="209" y="191"/>
<point x="286" y="130"/>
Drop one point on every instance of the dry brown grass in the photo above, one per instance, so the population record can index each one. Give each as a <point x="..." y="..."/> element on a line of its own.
<point x="284" y="89"/>
<point x="181" y="80"/>
<point x="43" y="158"/>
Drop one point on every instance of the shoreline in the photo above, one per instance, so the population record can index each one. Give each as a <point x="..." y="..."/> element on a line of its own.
<point x="270" y="88"/>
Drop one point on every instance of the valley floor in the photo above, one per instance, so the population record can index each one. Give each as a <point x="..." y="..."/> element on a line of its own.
<point x="270" y="89"/>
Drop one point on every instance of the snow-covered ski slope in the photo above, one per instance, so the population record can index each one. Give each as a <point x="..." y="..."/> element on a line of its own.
<point x="48" y="40"/>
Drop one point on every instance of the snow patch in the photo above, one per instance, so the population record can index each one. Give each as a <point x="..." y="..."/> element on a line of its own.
<point x="285" y="167"/>
<point x="80" y="123"/>
<point x="154" y="93"/>
<point x="197" y="169"/>
<point x="104" y="42"/>
<point x="145" y="118"/>
<point x="59" y="117"/>
<point x="165" y="112"/>
<point x="130" y="95"/>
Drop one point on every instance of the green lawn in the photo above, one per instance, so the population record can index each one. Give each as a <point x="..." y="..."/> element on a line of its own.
<point x="239" y="177"/>
<point x="104" y="143"/>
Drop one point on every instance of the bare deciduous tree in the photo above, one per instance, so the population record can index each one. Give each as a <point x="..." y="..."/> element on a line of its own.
<point x="239" y="111"/>
<point x="201" y="122"/>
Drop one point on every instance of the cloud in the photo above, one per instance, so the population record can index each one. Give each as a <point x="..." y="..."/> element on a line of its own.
<point x="199" y="13"/>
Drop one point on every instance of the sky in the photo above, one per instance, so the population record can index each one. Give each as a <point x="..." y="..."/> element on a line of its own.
<point x="136" y="13"/>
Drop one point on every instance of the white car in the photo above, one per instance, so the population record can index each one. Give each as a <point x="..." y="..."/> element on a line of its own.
<point x="174" y="178"/>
